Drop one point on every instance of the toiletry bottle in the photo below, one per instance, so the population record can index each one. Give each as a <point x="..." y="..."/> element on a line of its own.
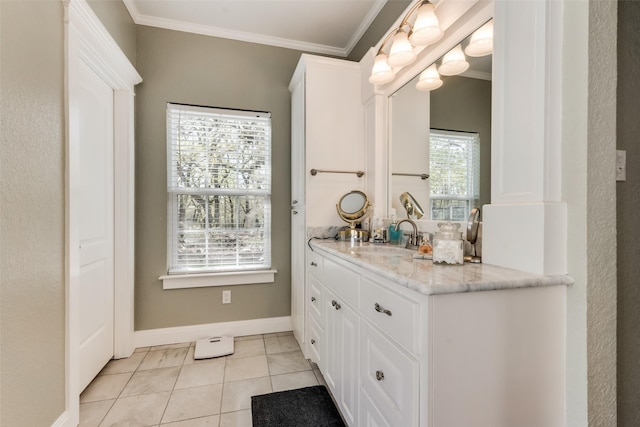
<point x="379" y="232"/>
<point x="394" y="236"/>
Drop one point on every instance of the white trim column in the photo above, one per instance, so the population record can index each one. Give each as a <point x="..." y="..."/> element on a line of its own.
<point x="525" y="227"/>
<point x="124" y="220"/>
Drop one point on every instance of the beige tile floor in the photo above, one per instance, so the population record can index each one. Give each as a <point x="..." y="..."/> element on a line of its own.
<point x="165" y="386"/>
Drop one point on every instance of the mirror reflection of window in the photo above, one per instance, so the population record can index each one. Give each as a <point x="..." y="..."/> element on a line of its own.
<point x="454" y="169"/>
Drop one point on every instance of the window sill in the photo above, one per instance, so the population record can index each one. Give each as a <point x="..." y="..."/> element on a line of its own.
<point x="203" y="280"/>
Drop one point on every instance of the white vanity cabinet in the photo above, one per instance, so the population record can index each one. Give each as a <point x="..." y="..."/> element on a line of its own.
<point x="326" y="135"/>
<point x="393" y="356"/>
<point x="373" y="378"/>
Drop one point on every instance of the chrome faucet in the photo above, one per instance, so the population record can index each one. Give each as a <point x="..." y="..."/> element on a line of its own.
<point x="412" y="242"/>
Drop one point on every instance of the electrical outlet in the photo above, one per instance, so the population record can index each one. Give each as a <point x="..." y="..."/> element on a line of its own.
<point x="621" y="165"/>
<point x="226" y="297"/>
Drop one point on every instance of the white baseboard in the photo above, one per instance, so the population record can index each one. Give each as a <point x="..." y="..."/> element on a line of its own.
<point x="190" y="333"/>
<point x="64" y="420"/>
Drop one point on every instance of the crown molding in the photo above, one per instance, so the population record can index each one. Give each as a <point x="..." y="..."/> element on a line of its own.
<point x="213" y="31"/>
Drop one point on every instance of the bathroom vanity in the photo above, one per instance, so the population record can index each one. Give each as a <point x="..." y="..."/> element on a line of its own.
<point x="400" y="341"/>
<point x="403" y="342"/>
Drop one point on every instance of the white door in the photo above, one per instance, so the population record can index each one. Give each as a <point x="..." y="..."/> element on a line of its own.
<point x="95" y="189"/>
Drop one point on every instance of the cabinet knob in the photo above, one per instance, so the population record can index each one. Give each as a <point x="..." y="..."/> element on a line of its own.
<point x="313" y="264"/>
<point x="382" y="310"/>
<point x="313" y="299"/>
<point x="335" y="304"/>
<point x="294" y="212"/>
<point x="313" y="341"/>
<point x="294" y="202"/>
<point x="379" y="375"/>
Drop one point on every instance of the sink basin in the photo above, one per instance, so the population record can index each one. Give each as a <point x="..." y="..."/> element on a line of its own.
<point x="380" y="250"/>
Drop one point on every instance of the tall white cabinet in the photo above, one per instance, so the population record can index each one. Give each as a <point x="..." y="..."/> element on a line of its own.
<point x="326" y="135"/>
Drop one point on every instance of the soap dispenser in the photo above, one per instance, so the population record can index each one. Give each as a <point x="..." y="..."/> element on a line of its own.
<point x="395" y="236"/>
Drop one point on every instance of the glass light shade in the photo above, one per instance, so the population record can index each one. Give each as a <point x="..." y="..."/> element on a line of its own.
<point x="401" y="52"/>
<point x="429" y="79"/>
<point x="454" y="62"/>
<point x="381" y="72"/>
<point x="426" y="30"/>
<point x="481" y="42"/>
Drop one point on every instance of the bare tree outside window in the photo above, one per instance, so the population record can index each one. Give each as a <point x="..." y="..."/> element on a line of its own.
<point x="219" y="189"/>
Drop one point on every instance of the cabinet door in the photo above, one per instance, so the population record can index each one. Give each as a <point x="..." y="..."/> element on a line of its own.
<point x="342" y="352"/>
<point x="369" y="414"/>
<point x="332" y="364"/>
<point x="350" y="327"/>
<point x="298" y="226"/>
<point x="389" y="376"/>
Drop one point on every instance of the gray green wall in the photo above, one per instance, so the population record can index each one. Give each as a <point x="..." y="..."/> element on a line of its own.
<point x="115" y="17"/>
<point x="32" y="207"/>
<point x="628" y="204"/>
<point x="390" y="12"/>
<point x="32" y="216"/>
<point x="464" y="104"/>
<point x="193" y="69"/>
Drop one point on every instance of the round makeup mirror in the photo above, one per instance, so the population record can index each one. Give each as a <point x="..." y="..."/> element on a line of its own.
<point x="353" y="208"/>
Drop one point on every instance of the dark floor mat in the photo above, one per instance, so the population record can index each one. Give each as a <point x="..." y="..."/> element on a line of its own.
<point x="303" y="407"/>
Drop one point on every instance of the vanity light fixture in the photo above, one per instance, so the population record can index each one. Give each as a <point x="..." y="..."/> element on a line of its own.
<point x="429" y="79"/>
<point x="424" y="30"/>
<point x="481" y="43"/>
<point x="401" y="52"/>
<point x="454" y="62"/>
<point x="382" y="72"/>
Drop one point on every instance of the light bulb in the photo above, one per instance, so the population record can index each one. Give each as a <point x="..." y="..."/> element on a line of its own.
<point x="381" y="72"/>
<point x="429" y="79"/>
<point x="401" y="52"/>
<point x="481" y="42"/>
<point x="426" y="30"/>
<point x="454" y="62"/>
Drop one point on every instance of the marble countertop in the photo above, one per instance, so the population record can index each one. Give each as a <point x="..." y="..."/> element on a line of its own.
<point x="422" y="275"/>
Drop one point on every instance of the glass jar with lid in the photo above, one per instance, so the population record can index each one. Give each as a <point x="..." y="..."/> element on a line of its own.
<point x="448" y="247"/>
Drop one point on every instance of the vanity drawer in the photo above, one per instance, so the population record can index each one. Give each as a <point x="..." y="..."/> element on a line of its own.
<point x="343" y="281"/>
<point x="394" y="314"/>
<point x="314" y="264"/>
<point x="314" y="303"/>
<point x="316" y="342"/>
<point x="390" y="378"/>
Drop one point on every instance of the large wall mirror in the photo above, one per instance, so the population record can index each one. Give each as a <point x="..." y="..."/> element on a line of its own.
<point x="444" y="133"/>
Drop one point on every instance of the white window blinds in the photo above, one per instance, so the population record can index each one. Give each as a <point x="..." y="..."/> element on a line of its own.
<point x="219" y="189"/>
<point x="454" y="174"/>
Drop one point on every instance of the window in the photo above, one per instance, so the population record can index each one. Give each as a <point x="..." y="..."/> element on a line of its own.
<point x="219" y="190"/>
<point x="454" y="174"/>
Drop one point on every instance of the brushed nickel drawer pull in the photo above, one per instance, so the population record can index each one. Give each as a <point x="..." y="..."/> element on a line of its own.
<point x="313" y="264"/>
<point x="313" y="341"/>
<point x="313" y="299"/>
<point x="335" y="304"/>
<point x="379" y="375"/>
<point x="382" y="310"/>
